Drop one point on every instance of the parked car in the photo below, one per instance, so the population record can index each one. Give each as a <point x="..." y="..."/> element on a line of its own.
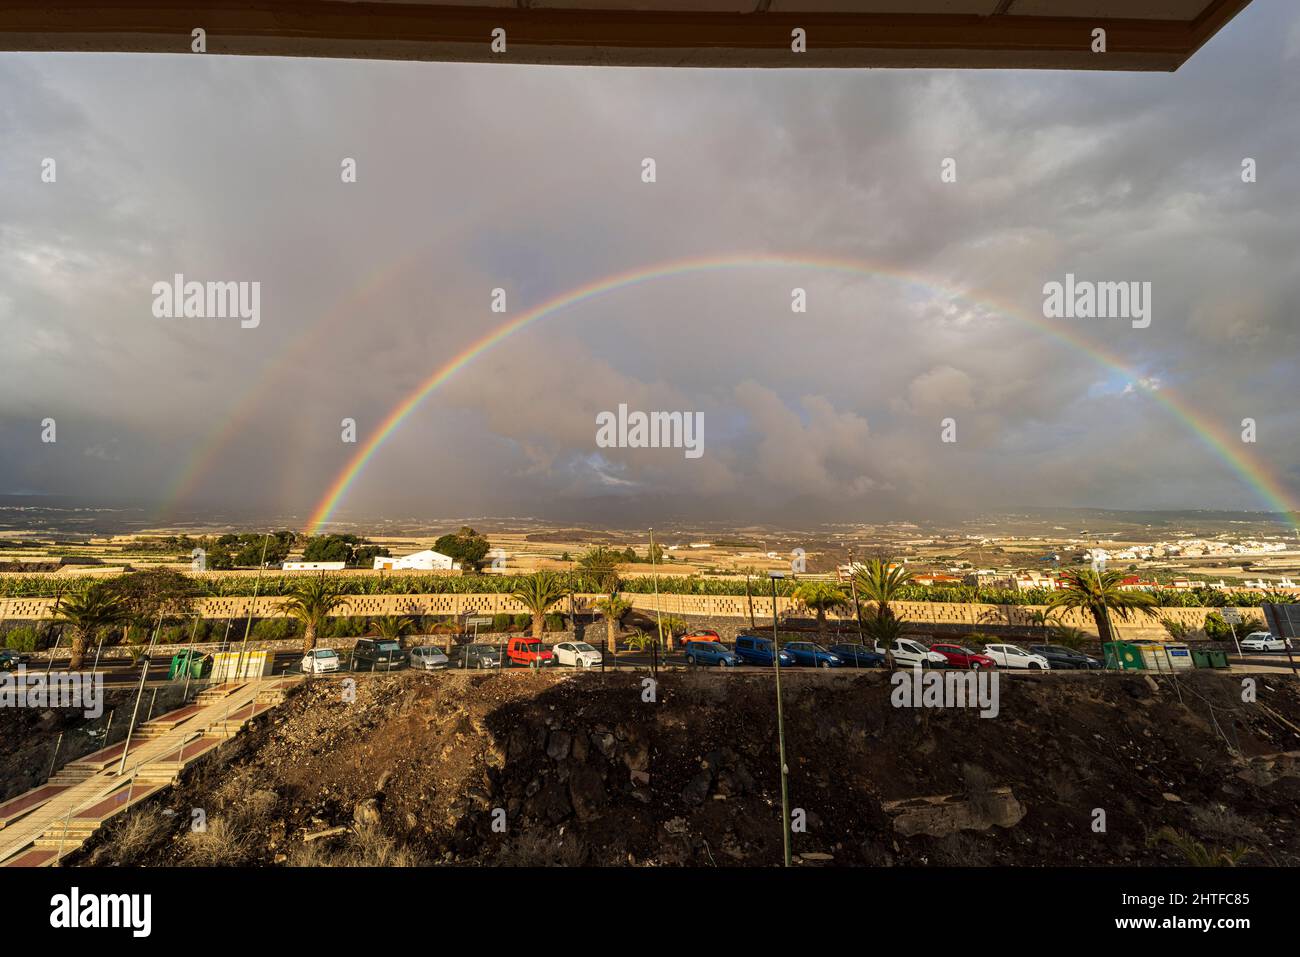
<point x="709" y="653"/>
<point x="959" y="656"/>
<point x="858" y="656"/>
<point x="377" y="654"/>
<point x="811" y="655"/>
<point x="1264" y="641"/>
<point x="579" y="654"/>
<point x="1013" y="656"/>
<point x="478" y="655"/>
<point x="909" y="654"/>
<point x="701" y="634"/>
<point x="525" y="651"/>
<point x="427" y="658"/>
<point x="10" y="659"/>
<point x="1058" y="656"/>
<point x="319" y="661"/>
<point x="756" y="650"/>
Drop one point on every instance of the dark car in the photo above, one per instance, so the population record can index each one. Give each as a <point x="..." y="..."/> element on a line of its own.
<point x="858" y="656"/>
<point x="377" y="654"/>
<point x="10" y="659"/>
<point x="757" y="650"/>
<point x="809" y="654"/>
<point x="709" y="653"/>
<point x="1058" y="656"/>
<point x="478" y="655"/>
<point x="959" y="656"/>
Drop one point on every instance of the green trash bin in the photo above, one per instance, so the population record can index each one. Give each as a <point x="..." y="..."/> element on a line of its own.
<point x="1123" y="656"/>
<point x="1218" y="659"/>
<point x="1200" y="659"/>
<point x="196" y="664"/>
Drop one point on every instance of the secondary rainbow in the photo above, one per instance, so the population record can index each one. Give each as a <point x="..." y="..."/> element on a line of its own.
<point x="1268" y="488"/>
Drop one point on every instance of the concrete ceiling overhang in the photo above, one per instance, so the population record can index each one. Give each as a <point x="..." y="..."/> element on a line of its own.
<point x="998" y="34"/>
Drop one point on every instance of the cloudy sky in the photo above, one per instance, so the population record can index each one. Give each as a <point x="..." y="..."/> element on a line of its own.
<point x="472" y="177"/>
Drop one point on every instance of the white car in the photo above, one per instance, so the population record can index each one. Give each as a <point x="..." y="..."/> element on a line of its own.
<point x="1013" y="656"/>
<point x="320" y="660"/>
<point x="1264" y="641"/>
<point x="910" y="653"/>
<point x="428" y="659"/>
<point x="576" y="653"/>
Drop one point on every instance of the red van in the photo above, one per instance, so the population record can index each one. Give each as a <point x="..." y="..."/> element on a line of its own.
<point x="524" y="651"/>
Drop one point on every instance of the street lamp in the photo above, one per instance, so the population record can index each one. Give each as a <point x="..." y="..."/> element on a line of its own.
<point x="780" y="723"/>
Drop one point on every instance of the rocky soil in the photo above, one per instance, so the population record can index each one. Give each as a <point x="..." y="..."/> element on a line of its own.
<point x="580" y="769"/>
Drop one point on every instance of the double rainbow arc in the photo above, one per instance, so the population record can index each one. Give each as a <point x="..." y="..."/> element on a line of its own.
<point x="1268" y="488"/>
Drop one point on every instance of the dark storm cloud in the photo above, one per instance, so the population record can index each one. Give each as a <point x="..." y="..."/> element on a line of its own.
<point x="473" y="177"/>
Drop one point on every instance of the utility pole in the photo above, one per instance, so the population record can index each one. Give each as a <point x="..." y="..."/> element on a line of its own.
<point x="248" y="625"/>
<point x="659" y="623"/>
<point x="139" y="693"/>
<point x="780" y="724"/>
<point x="857" y="609"/>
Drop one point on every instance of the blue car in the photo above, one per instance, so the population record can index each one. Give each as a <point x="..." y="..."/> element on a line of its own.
<point x="858" y="656"/>
<point x="811" y="655"/>
<point x="756" y="650"/>
<point x="709" y="653"/>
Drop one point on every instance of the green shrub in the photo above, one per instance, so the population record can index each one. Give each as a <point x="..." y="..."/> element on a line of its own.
<point x="523" y="621"/>
<point x="346" y="626"/>
<point x="502" y="622"/>
<point x="23" y="638"/>
<point x="274" y="629"/>
<point x="1177" y="630"/>
<point x="1216" y="629"/>
<point x="554" y="623"/>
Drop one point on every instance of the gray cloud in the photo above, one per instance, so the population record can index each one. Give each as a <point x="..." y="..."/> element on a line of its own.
<point x="473" y="176"/>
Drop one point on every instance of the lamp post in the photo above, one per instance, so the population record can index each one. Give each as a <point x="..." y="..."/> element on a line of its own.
<point x="780" y="724"/>
<point x="857" y="609"/>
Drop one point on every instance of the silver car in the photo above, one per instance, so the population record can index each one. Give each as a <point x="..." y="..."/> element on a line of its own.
<point x="428" y="659"/>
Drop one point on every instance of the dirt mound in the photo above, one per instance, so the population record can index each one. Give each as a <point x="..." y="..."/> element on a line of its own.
<point x="582" y="769"/>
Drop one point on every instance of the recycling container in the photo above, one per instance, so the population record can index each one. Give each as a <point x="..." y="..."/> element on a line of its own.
<point x="1178" y="656"/>
<point x="1124" y="656"/>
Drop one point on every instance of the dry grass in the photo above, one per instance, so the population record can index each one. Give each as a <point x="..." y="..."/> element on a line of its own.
<point x="224" y="843"/>
<point x="135" y="832"/>
<point x="363" y="847"/>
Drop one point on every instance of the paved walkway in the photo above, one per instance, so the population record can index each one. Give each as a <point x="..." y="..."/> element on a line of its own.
<point x="87" y="791"/>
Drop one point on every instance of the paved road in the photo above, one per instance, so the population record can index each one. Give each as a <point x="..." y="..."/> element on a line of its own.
<point x="120" y="673"/>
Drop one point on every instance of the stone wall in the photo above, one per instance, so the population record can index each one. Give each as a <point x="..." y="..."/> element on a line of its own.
<point x="730" y="612"/>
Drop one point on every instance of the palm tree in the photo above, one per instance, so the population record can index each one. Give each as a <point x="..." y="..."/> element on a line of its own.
<point x="1071" y="637"/>
<point x="393" y="627"/>
<point x="881" y="581"/>
<point x="96" y="608"/>
<point x="601" y="564"/>
<point x="670" y="626"/>
<point x="538" y="592"/>
<point x="1098" y="593"/>
<point x="310" y="602"/>
<point x="613" y="608"/>
<point x="1042" y="619"/>
<point x="821" y="597"/>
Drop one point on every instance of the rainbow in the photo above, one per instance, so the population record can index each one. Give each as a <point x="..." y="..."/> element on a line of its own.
<point x="225" y="430"/>
<point x="205" y="454"/>
<point x="1269" y="489"/>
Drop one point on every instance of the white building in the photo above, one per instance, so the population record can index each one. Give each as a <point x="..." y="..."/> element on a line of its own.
<point x="427" y="560"/>
<point x="314" y="566"/>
